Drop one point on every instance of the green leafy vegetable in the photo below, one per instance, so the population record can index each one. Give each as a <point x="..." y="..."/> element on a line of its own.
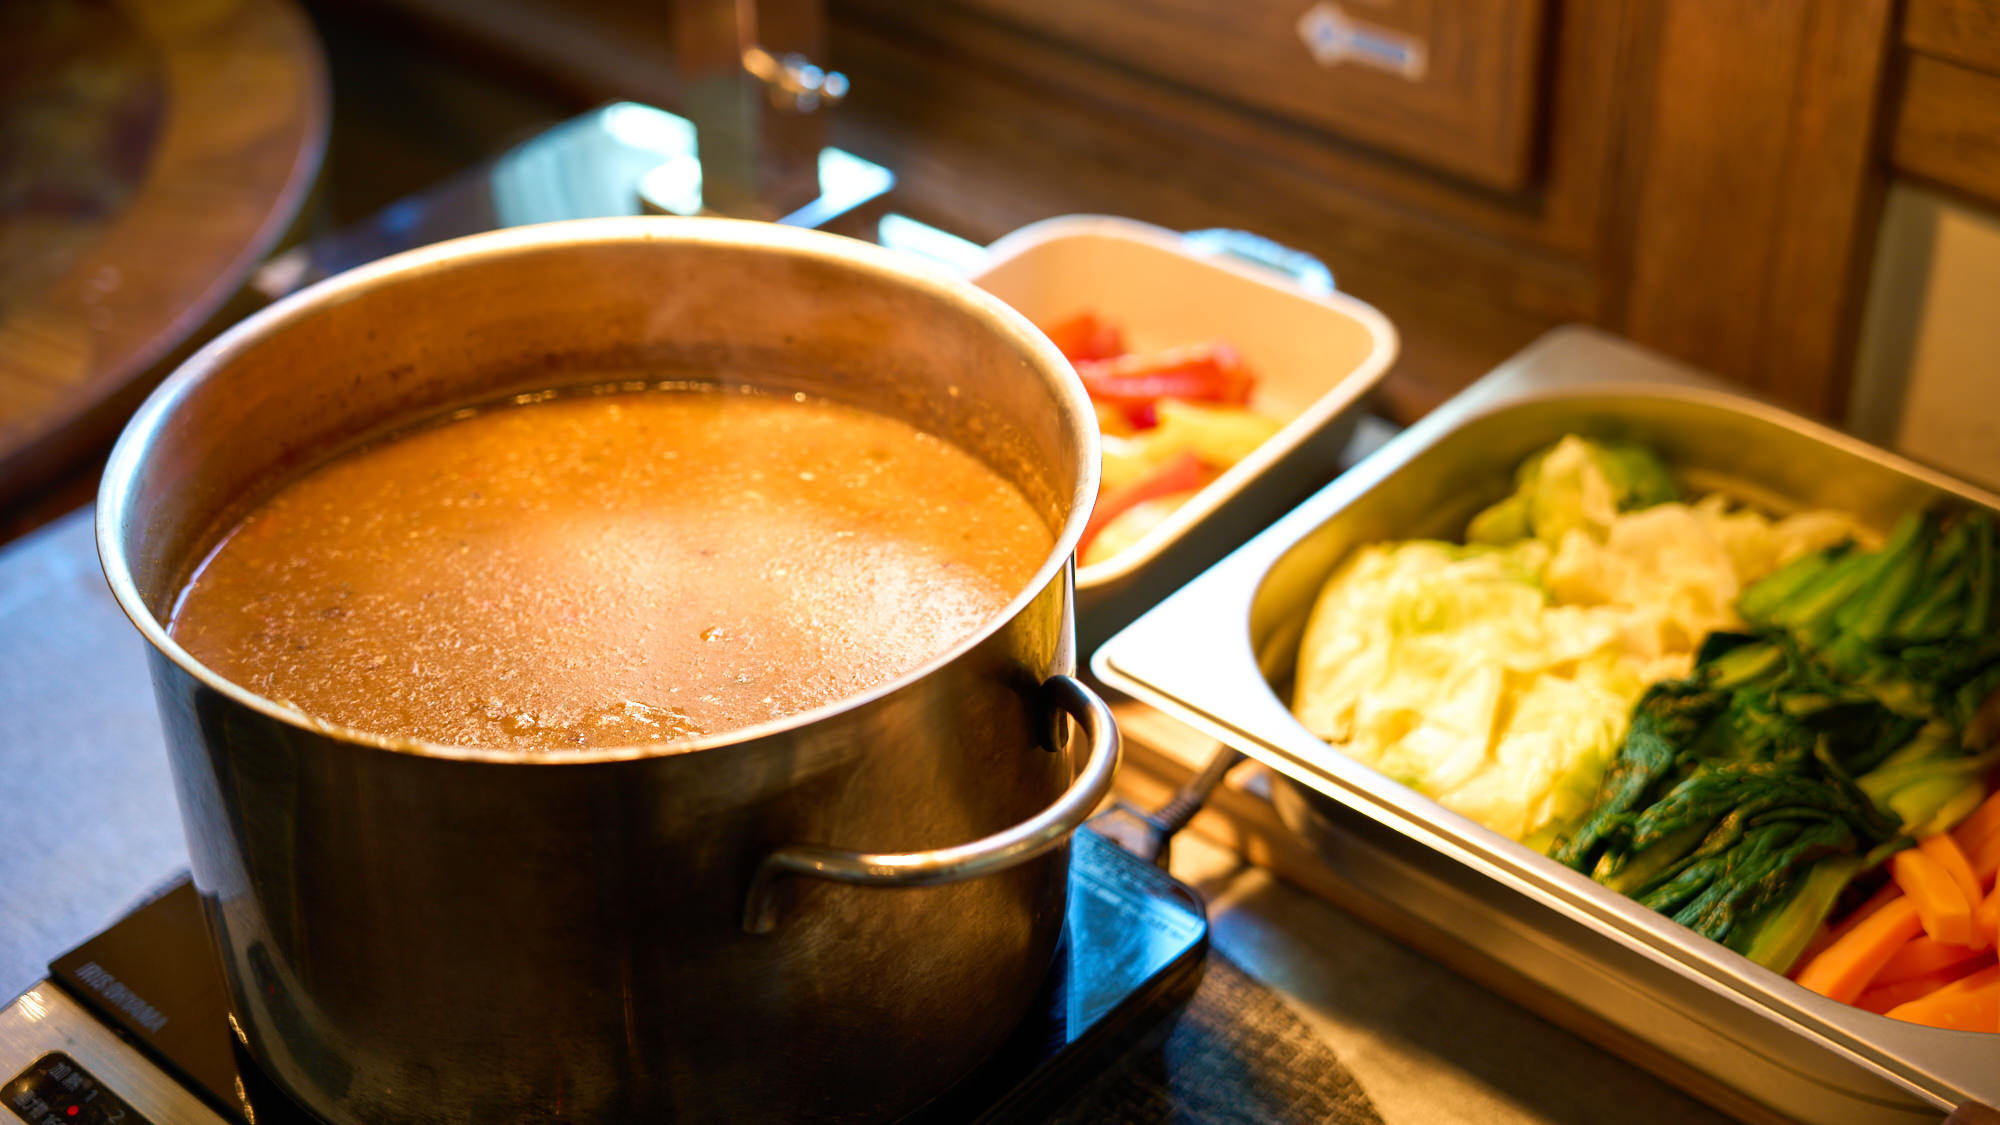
<point x="1801" y="752"/>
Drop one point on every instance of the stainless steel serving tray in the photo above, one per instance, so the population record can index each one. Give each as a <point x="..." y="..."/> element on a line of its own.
<point x="1218" y="654"/>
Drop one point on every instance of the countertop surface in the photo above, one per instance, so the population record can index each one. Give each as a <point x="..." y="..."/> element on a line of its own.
<point x="92" y="829"/>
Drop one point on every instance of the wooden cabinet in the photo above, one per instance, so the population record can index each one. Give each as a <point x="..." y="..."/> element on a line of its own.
<point x="1450" y="84"/>
<point x="1966" y="32"/>
<point x="1700" y="175"/>
<point x="1947" y="117"/>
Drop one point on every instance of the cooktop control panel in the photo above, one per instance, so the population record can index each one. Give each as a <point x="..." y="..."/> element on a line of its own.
<point x="61" y="1064"/>
<point x="54" y="1090"/>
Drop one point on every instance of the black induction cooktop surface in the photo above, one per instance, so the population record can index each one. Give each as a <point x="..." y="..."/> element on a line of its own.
<point x="1131" y="956"/>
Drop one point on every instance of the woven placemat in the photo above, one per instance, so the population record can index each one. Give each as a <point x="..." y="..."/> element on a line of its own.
<point x="1237" y="1055"/>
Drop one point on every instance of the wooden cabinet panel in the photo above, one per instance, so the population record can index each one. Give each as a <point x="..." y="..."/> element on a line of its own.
<point x="1699" y="174"/>
<point x="1964" y="31"/>
<point x="1948" y="127"/>
<point x="1754" y="190"/>
<point x="1448" y="83"/>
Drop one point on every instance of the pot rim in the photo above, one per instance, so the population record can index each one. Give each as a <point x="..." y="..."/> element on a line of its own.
<point x="117" y="494"/>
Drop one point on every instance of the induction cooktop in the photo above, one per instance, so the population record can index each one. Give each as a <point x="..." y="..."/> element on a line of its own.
<point x="132" y="1028"/>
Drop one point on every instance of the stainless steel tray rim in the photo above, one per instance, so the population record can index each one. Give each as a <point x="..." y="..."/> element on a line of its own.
<point x="1717" y="397"/>
<point x="1706" y="965"/>
<point x="1149" y="659"/>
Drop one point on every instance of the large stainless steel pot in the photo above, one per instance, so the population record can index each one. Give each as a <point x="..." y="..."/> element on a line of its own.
<point x="412" y="932"/>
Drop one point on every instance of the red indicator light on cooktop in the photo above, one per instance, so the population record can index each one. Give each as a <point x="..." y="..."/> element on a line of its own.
<point x="54" y="1088"/>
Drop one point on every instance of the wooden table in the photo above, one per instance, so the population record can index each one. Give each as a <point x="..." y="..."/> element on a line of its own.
<point x="152" y="152"/>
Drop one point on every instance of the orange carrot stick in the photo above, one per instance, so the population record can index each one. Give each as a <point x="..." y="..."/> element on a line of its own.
<point x="1888" y="893"/>
<point x="1921" y="956"/>
<point x="1946" y="852"/>
<point x="1820" y="939"/>
<point x="1940" y="905"/>
<point x="1844" y="969"/>
<point x="1943" y="850"/>
<point x="1881" y="997"/>
<point x="1984" y="855"/>
<point x="1987" y="917"/>
<point x="1983" y="823"/>
<point x="1968" y="1004"/>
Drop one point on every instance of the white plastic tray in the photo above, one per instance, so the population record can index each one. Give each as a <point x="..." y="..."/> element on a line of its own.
<point x="1318" y="355"/>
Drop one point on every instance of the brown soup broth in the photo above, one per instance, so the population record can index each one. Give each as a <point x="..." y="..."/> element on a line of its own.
<point x="615" y="565"/>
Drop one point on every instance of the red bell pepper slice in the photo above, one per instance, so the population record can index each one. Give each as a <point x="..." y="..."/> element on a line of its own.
<point x="1141" y="415"/>
<point x="1180" y="473"/>
<point x="1211" y="372"/>
<point x="1084" y="337"/>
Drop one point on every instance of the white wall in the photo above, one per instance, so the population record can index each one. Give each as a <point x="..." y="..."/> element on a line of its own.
<point x="1927" y="374"/>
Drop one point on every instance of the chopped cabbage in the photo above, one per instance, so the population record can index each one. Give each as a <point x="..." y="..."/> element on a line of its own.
<point x="1498" y="678"/>
<point x="1575" y="483"/>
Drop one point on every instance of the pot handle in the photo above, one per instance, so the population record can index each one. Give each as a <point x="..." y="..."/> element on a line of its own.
<point x="1002" y="850"/>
